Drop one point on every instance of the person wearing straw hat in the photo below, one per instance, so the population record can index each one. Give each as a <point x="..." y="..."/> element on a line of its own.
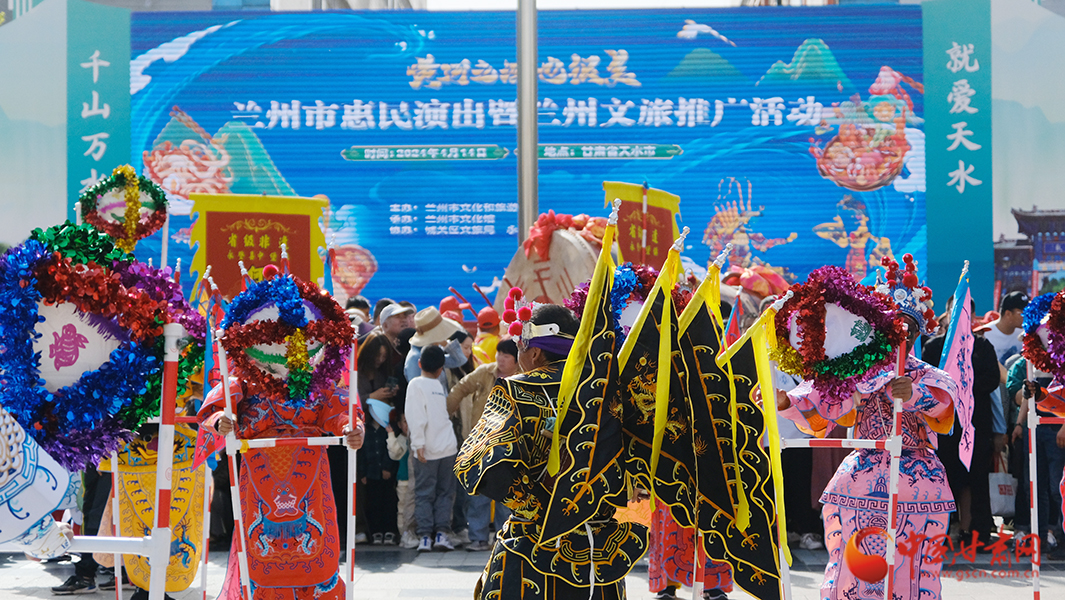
<point x="433" y="329"/>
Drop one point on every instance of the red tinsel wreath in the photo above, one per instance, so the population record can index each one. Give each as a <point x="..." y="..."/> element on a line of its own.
<point x="829" y="285"/>
<point x="92" y="289"/>
<point x="332" y="329"/>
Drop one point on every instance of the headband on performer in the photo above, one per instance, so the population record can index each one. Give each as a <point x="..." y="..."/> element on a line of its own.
<point x="546" y="337"/>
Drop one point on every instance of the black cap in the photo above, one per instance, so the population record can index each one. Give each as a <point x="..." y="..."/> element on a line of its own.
<point x="1013" y="301"/>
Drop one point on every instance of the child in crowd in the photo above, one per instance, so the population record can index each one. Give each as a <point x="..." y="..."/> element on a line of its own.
<point x="377" y="471"/>
<point x="399" y="450"/>
<point x="433" y="442"/>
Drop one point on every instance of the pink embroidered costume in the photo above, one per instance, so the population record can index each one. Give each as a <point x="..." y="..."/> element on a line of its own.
<point x="857" y="496"/>
<point x="287" y="498"/>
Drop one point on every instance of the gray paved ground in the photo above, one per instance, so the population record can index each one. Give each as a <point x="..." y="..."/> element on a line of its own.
<point x="393" y="573"/>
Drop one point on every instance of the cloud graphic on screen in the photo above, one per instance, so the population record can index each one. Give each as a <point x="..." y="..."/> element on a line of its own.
<point x="691" y="30"/>
<point x="169" y="52"/>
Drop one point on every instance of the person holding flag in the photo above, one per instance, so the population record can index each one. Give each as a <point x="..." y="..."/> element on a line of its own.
<point x="858" y="495"/>
<point x="966" y="452"/>
<point x="530" y="448"/>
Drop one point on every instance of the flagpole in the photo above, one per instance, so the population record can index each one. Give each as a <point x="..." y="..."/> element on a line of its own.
<point x="528" y="145"/>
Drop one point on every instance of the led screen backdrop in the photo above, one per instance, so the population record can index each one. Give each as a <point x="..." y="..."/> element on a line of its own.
<point x="795" y="134"/>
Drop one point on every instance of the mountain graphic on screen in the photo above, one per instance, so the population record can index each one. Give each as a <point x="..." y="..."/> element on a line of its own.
<point x="253" y="170"/>
<point x="813" y="62"/>
<point x="705" y="64"/>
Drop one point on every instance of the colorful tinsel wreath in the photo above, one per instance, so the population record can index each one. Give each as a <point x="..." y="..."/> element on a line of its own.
<point x="133" y="227"/>
<point x="1047" y="359"/>
<point x="80" y="423"/>
<point x="835" y="377"/>
<point x="331" y="327"/>
<point x="631" y="282"/>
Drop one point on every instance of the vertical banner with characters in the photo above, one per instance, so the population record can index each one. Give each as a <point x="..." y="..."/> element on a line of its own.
<point x="98" y="101"/>
<point x="957" y="70"/>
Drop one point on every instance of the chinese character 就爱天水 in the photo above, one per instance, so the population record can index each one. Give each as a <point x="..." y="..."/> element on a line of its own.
<point x="617" y="110"/>
<point x="584" y="113"/>
<point x="960" y="177"/>
<point x="95" y="62"/>
<point x="960" y="96"/>
<point x="960" y="137"/>
<point x="95" y="110"/>
<point x="97" y="145"/>
<point x="960" y="54"/>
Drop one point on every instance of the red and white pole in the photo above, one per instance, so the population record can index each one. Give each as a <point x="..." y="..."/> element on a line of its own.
<point x="894" y="444"/>
<point x="114" y="521"/>
<point x="232" y="448"/>
<point x="207" y="489"/>
<point x="1033" y="487"/>
<point x="159" y="556"/>
<point x="353" y="398"/>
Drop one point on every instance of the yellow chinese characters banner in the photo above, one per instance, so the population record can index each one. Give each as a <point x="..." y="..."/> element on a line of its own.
<point x="231" y="228"/>
<point x="647" y="222"/>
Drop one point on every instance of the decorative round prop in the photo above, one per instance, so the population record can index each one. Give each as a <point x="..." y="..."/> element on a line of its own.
<point x="82" y="341"/>
<point x="124" y="206"/>
<point x="632" y="284"/>
<point x="287" y="337"/>
<point x="1044" y="333"/>
<point x="869" y="568"/>
<point x="836" y="332"/>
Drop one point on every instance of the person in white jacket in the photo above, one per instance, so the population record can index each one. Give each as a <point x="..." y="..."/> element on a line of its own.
<point x="433" y="442"/>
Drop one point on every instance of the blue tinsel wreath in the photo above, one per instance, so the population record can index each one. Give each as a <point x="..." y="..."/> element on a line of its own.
<point x="76" y="425"/>
<point x="280" y="291"/>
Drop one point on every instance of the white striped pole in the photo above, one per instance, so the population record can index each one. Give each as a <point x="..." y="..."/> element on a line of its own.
<point x="1033" y="487"/>
<point x="114" y="522"/>
<point x="207" y="485"/>
<point x="895" y="446"/>
<point x="234" y="489"/>
<point x="698" y="575"/>
<point x="77" y="213"/>
<point x="851" y="443"/>
<point x="353" y="397"/>
<point x="159" y="557"/>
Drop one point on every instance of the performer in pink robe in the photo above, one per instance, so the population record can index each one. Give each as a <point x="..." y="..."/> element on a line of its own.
<point x="857" y="495"/>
